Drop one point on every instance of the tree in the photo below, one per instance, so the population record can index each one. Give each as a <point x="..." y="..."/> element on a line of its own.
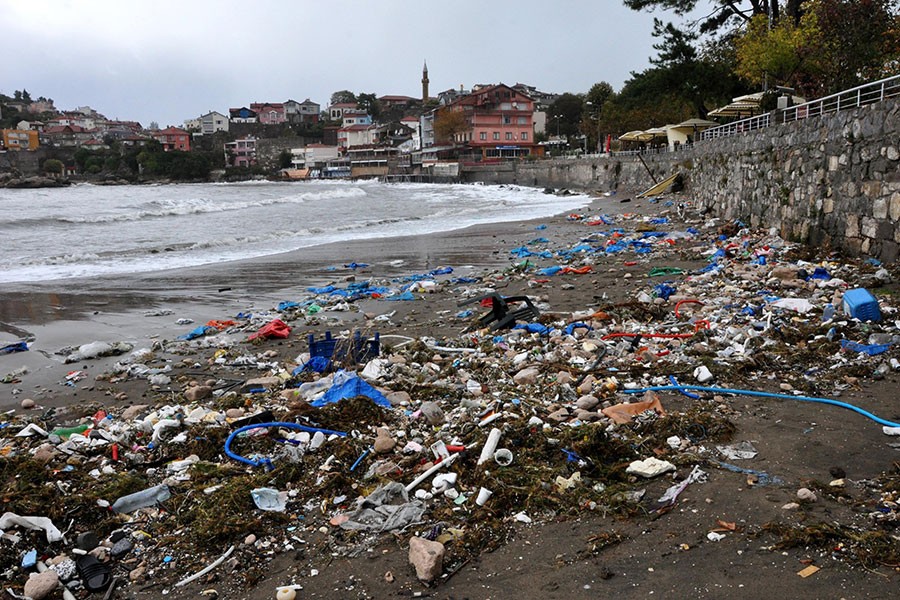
<point x="727" y="11"/>
<point x="371" y="104"/>
<point x="284" y="159"/>
<point x="449" y="123"/>
<point x="343" y="96"/>
<point x="860" y="41"/>
<point x="53" y="166"/>
<point x="774" y="55"/>
<point x="564" y="114"/>
<point x="598" y="95"/>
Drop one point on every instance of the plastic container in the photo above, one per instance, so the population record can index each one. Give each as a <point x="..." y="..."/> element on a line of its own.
<point x="144" y="498"/>
<point x="861" y="304"/>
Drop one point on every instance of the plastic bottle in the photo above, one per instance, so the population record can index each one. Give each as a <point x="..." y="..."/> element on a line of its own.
<point x="65" y="432"/>
<point x="149" y="497"/>
<point x="828" y="313"/>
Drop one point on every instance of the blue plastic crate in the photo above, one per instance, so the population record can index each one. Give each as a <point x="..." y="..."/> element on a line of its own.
<point x="359" y="349"/>
<point x="860" y="304"/>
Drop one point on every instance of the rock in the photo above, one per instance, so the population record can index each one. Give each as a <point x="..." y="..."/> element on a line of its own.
<point x="587" y="402"/>
<point x="432" y="413"/>
<point x="45" y="453"/>
<point x="564" y="377"/>
<point x="41" y="585"/>
<point x="121" y="548"/>
<point x="197" y="393"/>
<point x="650" y="467"/>
<point x="806" y="495"/>
<point x="64" y="567"/>
<point x="586" y="385"/>
<point x="234" y="413"/>
<point x="130" y="413"/>
<point x="27" y="403"/>
<point x="586" y="415"/>
<point x="250" y="540"/>
<point x="527" y="376"/>
<point x="790" y="506"/>
<point x="384" y="443"/>
<point x="559" y="415"/>
<point x="427" y="557"/>
<point x="784" y="273"/>
<point x="398" y="398"/>
<point x="137" y="574"/>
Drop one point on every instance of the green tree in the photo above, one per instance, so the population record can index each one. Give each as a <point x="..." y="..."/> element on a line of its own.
<point x="343" y="96"/>
<point x="284" y="159"/>
<point x="53" y="166"/>
<point x="859" y="41"/>
<point x="775" y="55"/>
<point x="564" y="115"/>
<point x="370" y="103"/>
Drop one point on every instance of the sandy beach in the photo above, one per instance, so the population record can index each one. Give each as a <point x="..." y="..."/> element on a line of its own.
<point x="577" y="542"/>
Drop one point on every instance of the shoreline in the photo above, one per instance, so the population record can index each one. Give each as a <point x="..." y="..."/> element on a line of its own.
<point x="71" y="312"/>
<point x="578" y="532"/>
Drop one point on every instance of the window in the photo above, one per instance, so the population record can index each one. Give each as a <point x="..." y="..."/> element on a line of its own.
<point x="507" y="120"/>
<point x="524" y="136"/>
<point x="522" y="121"/>
<point x="509" y="135"/>
<point x="483" y="135"/>
<point x="496" y="135"/>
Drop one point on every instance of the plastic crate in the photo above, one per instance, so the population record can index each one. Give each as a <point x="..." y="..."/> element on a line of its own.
<point x="860" y="304"/>
<point x="337" y="351"/>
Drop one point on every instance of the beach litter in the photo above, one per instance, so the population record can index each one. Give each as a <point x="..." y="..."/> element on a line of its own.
<point x="544" y="406"/>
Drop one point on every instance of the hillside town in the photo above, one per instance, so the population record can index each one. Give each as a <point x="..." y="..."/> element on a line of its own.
<point x="364" y="136"/>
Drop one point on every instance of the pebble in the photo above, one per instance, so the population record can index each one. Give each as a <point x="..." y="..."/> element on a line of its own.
<point x="806" y="495"/>
<point x="250" y="540"/>
<point x="27" y="403"/>
<point x="41" y="585"/>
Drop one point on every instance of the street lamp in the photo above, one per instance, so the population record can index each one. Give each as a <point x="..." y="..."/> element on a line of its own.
<point x="557" y="117"/>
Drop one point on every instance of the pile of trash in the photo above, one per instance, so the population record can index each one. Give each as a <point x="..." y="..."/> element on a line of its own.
<point x="526" y="415"/>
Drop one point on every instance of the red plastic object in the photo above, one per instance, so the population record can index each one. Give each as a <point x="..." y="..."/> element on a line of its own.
<point x="273" y="329"/>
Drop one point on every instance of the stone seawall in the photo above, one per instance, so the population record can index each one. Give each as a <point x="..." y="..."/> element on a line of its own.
<point x="831" y="180"/>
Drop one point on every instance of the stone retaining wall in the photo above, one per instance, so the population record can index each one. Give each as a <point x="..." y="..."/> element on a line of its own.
<point x="831" y="181"/>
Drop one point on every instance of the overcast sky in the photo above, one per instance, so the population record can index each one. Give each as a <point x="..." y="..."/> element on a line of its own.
<point x="168" y="60"/>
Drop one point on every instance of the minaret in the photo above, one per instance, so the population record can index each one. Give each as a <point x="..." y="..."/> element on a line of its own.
<point x="425" y="82"/>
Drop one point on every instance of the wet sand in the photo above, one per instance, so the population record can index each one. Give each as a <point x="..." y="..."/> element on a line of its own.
<point x="68" y="313"/>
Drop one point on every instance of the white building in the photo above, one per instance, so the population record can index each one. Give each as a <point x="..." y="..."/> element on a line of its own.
<point x="212" y="122"/>
<point x="313" y="155"/>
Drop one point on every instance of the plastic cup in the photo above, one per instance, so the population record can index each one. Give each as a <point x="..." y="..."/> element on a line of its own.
<point x="483" y="495"/>
<point x="503" y="457"/>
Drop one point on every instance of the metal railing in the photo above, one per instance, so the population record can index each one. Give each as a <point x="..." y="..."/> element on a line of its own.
<point x="736" y="127"/>
<point x="868" y="93"/>
<point x="852" y="98"/>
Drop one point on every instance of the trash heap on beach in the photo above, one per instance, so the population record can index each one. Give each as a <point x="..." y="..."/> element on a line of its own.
<point x="246" y="448"/>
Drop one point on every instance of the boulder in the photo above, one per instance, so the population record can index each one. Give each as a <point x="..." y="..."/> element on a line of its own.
<point x="427" y="557"/>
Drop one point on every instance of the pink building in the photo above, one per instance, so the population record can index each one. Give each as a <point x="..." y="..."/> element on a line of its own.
<point x="173" y="138"/>
<point x="241" y="152"/>
<point x="500" y="121"/>
<point x="269" y="113"/>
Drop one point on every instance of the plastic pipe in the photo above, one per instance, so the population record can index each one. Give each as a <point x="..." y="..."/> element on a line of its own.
<point x="265" y="461"/>
<point x="490" y="446"/>
<point x="715" y="390"/>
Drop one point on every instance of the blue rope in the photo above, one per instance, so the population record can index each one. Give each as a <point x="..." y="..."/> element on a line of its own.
<point x="714" y="390"/>
<point x="265" y="462"/>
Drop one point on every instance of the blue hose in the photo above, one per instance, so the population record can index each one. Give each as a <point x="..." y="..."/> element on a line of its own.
<point x="265" y="462"/>
<point x="713" y="390"/>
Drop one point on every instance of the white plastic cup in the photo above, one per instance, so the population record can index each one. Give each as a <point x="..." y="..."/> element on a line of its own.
<point x="483" y="495"/>
<point x="503" y="457"/>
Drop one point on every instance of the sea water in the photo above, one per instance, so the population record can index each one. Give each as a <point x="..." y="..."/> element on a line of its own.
<point x="89" y="231"/>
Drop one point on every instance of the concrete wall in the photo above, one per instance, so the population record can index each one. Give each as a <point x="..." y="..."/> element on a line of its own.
<point x="832" y="181"/>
